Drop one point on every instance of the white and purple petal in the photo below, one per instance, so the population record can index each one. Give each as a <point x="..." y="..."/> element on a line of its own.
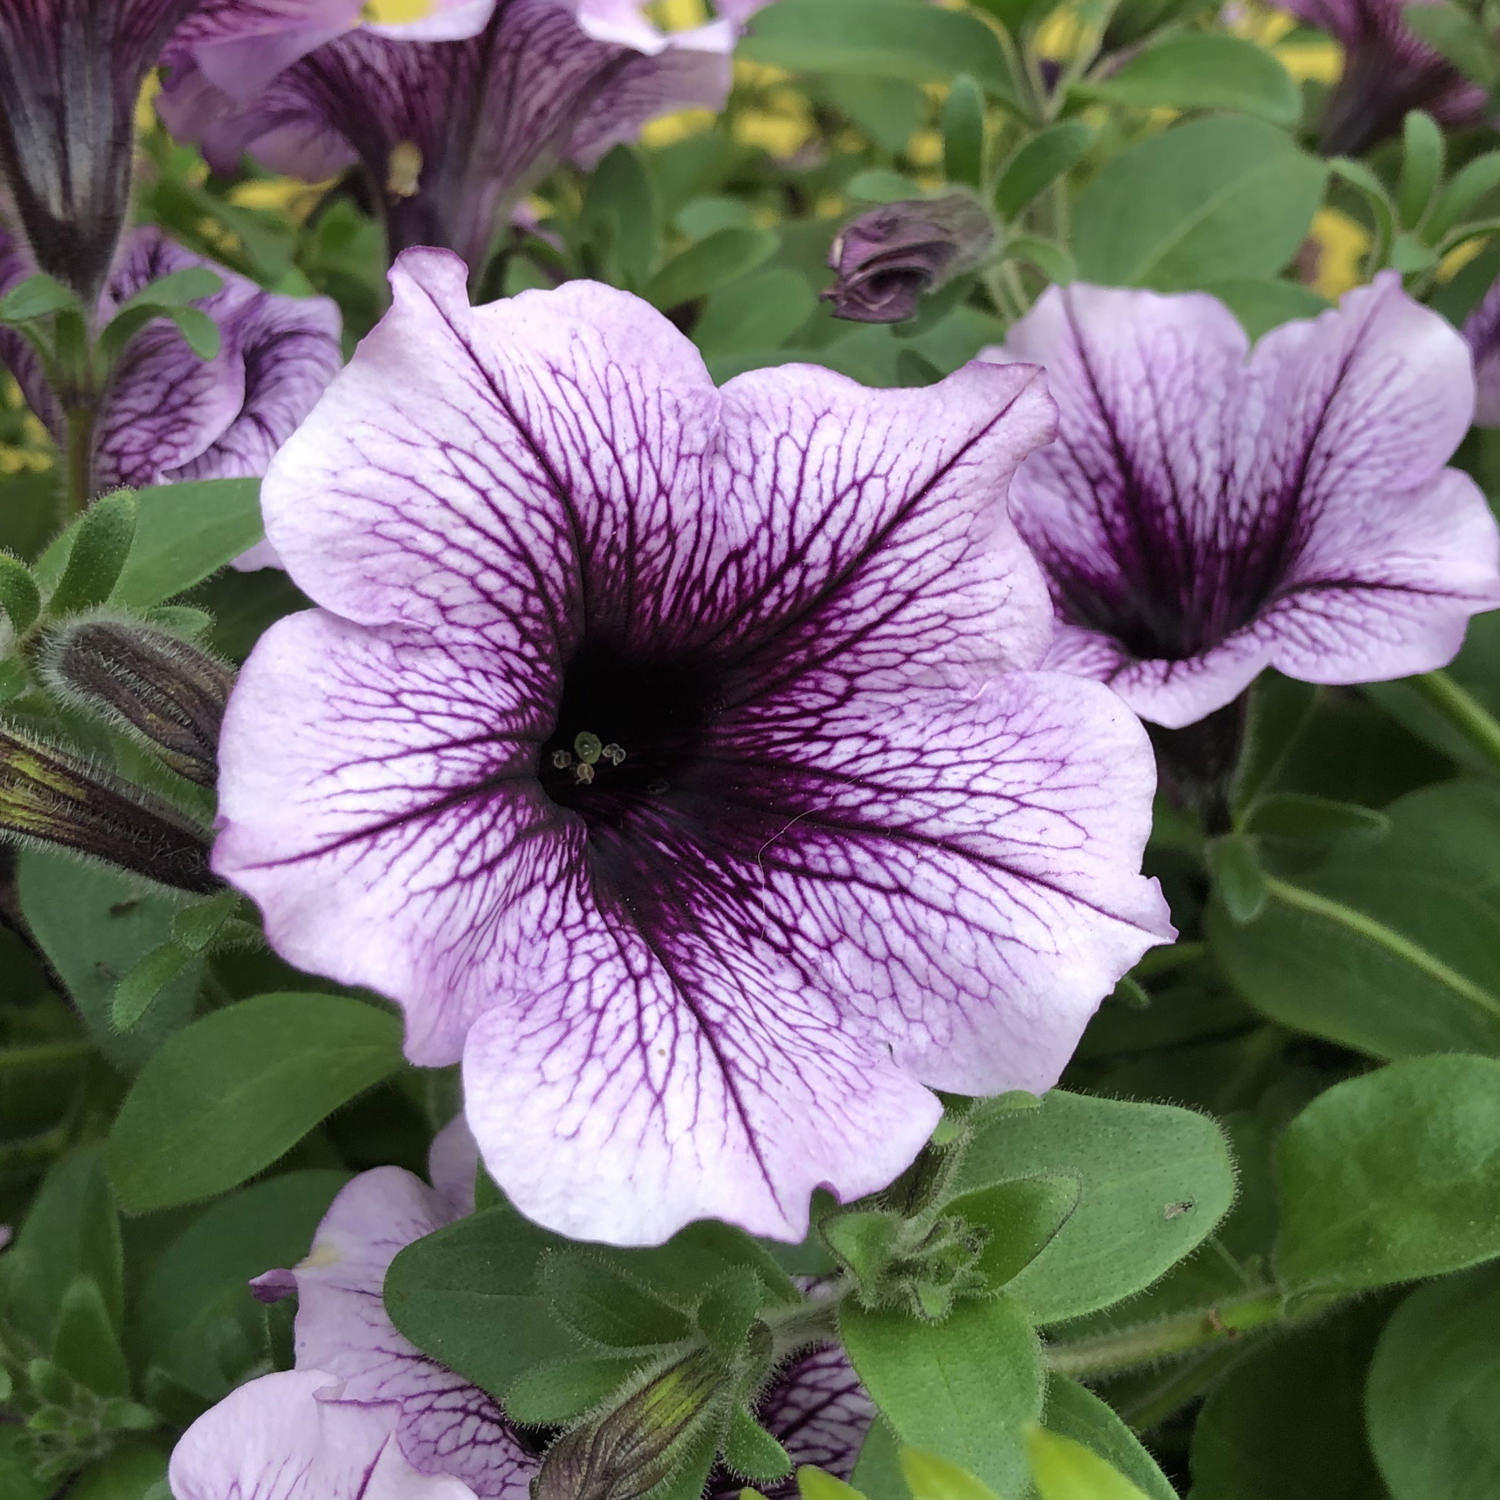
<point x="839" y="859"/>
<point x="1209" y="511"/>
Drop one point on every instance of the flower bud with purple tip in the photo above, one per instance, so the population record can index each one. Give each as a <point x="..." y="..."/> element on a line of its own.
<point x="887" y="258"/>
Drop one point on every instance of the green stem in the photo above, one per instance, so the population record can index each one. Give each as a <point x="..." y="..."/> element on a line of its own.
<point x="804" y="1323"/>
<point x="1462" y="711"/>
<point x="43" y="1055"/>
<point x="1167" y="1338"/>
<point x="79" y="441"/>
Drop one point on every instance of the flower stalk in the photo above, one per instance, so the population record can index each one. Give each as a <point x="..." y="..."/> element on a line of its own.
<point x="1462" y="712"/>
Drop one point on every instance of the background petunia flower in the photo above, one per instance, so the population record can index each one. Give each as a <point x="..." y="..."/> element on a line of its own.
<point x="1208" y="511"/>
<point x="1387" y="72"/>
<point x="168" y="415"/>
<point x="1481" y="332"/>
<point x="670" y="754"/>
<point x="438" y="1437"/>
<point x="452" y="134"/>
<point x="889" y="256"/>
<point x="70" y="73"/>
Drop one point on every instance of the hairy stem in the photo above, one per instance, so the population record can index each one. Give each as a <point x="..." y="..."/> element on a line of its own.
<point x="42" y="1055"/>
<point x="79" y="442"/>
<point x="1102" y="1354"/>
<point x="1463" y="712"/>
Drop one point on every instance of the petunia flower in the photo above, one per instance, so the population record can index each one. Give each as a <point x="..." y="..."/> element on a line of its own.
<point x="168" y="415"/>
<point x="1388" y="71"/>
<point x="452" y="135"/>
<point x="888" y="257"/>
<point x="1481" y="332"/>
<point x="70" y="73"/>
<point x="673" y="757"/>
<point x="362" y="1395"/>
<point x="1208" y="511"/>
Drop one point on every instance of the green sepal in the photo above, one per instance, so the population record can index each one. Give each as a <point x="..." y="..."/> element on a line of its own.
<point x="86" y="1346"/>
<point x="750" y="1451"/>
<point x="100" y="545"/>
<point x="562" y="1391"/>
<point x="20" y="597"/>
<point x="606" y="1307"/>
<point x="1238" y="878"/>
<point x="726" y="1312"/>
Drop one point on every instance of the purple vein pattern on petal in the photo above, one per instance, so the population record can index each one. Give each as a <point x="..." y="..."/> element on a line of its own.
<point x="839" y="857"/>
<point x="445" y="1425"/>
<point x="285" y="1437"/>
<point x="1205" y="514"/>
<point x="486" y="116"/>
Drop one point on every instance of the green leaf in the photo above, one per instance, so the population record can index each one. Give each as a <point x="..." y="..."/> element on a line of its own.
<point x="19" y="596"/>
<point x="102" y="537"/>
<point x="195" y="1303"/>
<point x="877" y="39"/>
<point x="18" y="1479"/>
<point x="71" y="1231"/>
<point x="1434" y="1389"/>
<point x="750" y="1450"/>
<point x="1473" y="182"/>
<point x="1372" y="189"/>
<point x="467" y="1296"/>
<point x="963" y="133"/>
<point x="152" y="977"/>
<point x="95" y="925"/>
<point x="818" y="1484"/>
<point x="1385" y="959"/>
<point x="877" y="1470"/>
<point x="87" y="1344"/>
<point x="184" y="533"/>
<point x="1038" y="163"/>
<point x="1299" y="818"/>
<point x="1382" y="1178"/>
<point x="1421" y="167"/>
<point x="965" y="1387"/>
<point x="229" y="1094"/>
<point x="1239" y="881"/>
<point x="1021" y="1218"/>
<point x="864" y="1239"/>
<point x="620" y="195"/>
<point x="128" y="1473"/>
<point x="1207" y="200"/>
<point x="878" y="185"/>
<point x="1065" y="1470"/>
<point x="1136" y="1162"/>
<point x="37" y="297"/>
<point x="710" y="264"/>
<point x="727" y="1310"/>
<point x="176" y="289"/>
<point x="759" y="311"/>
<point x="930" y="1477"/>
<point x="1201" y="70"/>
<point x="555" y="1394"/>
<point x="1052" y="260"/>
<point x="1286" y="1420"/>
<point x="1264" y="303"/>
<point x="1076" y="1412"/>
<point x="607" y="1308"/>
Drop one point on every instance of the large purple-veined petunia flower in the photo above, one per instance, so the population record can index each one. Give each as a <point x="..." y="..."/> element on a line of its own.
<point x="1208" y="511"/>
<point x="451" y="135"/>
<point x="167" y="415"/>
<point x="362" y="1396"/>
<point x="70" y="72"/>
<point x="1388" y="71"/>
<point x="672" y="755"/>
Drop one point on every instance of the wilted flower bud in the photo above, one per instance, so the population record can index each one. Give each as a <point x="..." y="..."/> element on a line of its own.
<point x="887" y="258"/>
<point x="53" y="797"/>
<point x="641" y="1442"/>
<point x="159" y="689"/>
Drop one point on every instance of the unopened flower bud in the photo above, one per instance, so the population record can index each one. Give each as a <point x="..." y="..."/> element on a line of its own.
<point x="163" y="692"/>
<point x="52" y="797"/>
<point x="887" y="258"/>
<point x="641" y="1442"/>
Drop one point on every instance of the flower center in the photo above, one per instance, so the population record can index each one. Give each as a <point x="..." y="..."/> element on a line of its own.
<point x="629" y="730"/>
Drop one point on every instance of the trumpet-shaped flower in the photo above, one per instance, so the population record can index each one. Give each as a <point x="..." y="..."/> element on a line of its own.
<point x="1209" y="511"/>
<point x="363" y="1398"/>
<point x="1388" y="70"/>
<point x="70" y="73"/>
<point x="452" y="134"/>
<point x="673" y="757"/>
<point x="167" y="414"/>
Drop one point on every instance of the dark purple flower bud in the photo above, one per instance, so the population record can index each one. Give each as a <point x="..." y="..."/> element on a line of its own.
<point x="887" y="258"/>
<point x="1388" y="71"/>
<point x="53" y="797"/>
<point x="70" y="72"/>
<point x="158" y="689"/>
